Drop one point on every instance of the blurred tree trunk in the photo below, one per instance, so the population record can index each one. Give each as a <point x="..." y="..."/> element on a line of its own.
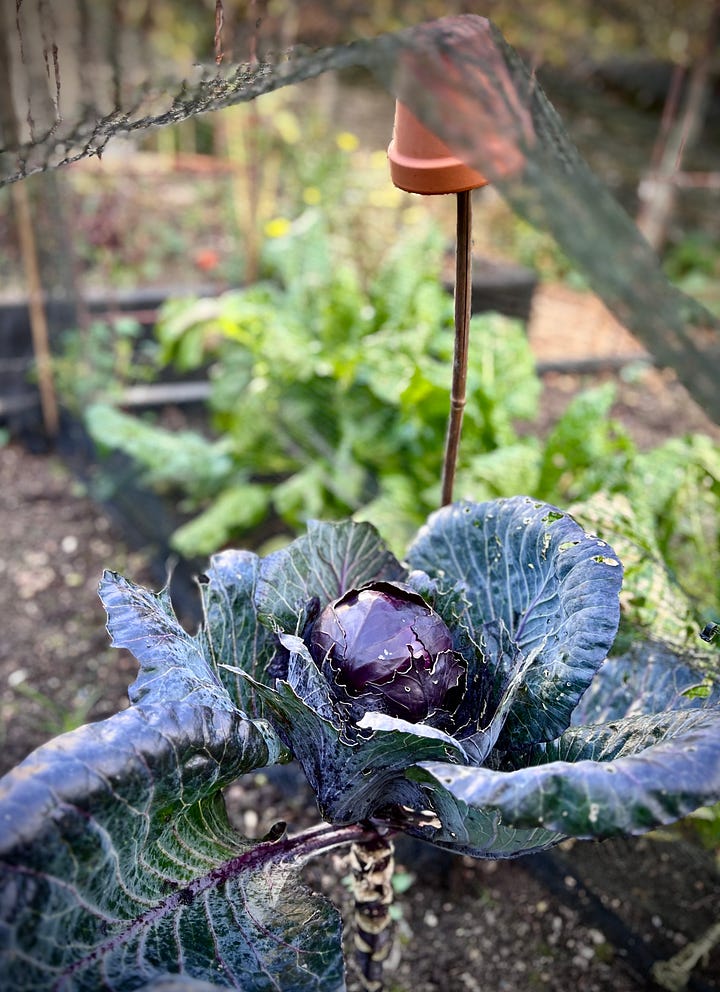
<point x="658" y="190"/>
<point x="8" y="120"/>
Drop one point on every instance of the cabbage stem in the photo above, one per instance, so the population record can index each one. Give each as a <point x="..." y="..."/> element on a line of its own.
<point x="373" y="863"/>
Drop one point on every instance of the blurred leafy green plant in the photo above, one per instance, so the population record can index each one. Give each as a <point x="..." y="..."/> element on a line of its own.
<point x="101" y="360"/>
<point x="329" y="397"/>
<point x="693" y="264"/>
<point x="59" y="718"/>
<point x="706" y="824"/>
<point x="659" y="508"/>
<point x="287" y="156"/>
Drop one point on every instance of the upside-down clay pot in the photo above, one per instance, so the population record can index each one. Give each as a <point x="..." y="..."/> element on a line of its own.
<point x="421" y="163"/>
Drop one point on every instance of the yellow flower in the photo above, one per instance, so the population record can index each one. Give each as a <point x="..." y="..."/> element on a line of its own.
<point x="278" y="227"/>
<point x="414" y="215"/>
<point x="288" y="126"/>
<point x="312" y="196"/>
<point x="347" y="141"/>
<point x="386" y="196"/>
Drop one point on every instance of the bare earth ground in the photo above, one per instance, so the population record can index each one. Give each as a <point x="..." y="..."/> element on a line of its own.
<point x="465" y="925"/>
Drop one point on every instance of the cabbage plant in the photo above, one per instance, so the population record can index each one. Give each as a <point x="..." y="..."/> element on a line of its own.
<point x="464" y="697"/>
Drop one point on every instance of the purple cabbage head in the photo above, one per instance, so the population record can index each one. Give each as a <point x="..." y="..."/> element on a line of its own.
<point x="385" y="640"/>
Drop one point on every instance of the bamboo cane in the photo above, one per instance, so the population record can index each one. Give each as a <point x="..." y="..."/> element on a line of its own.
<point x="463" y="310"/>
<point x="36" y="308"/>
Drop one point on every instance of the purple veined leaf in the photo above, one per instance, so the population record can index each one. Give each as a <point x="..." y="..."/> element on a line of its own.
<point x="232" y="634"/>
<point x="647" y="754"/>
<point x="650" y="678"/>
<point x="381" y="721"/>
<point x="118" y="864"/>
<point x="605" y="742"/>
<point x="554" y="587"/>
<point x="471" y="829"/>
<point x="675" y="770"/>
<point x="320" y="566"/>
<point x="117" y="857"/>
<point x="510" y="667"/>
<point x="173" y="664"/>
<point x="179" y="983"/>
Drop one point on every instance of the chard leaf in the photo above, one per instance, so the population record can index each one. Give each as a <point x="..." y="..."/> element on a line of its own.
<point x="554" y="587"/>
<point x="355" y="775"/>
<point x="630" y="794"/>
<point x="233" y="636"/>
<point x="238" y="506"/>
<point x="119" y="864"/>
<point x="321" y="565"/>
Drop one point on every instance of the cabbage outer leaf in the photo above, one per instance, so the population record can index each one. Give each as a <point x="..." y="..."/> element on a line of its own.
<point x="642" y="766"/>
<point x="321" y="565"/>
<point x="117" y="860"/>
<point x="555" y="588"/>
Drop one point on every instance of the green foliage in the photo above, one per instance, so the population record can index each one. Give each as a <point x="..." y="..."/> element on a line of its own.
<point x="696" y="254"/>
<point x="170" y="458"/>
<point x="706" y="824"/>
<point x="239" y="507"/>
<point x="680" y="481"/>
<point x="693" y="264"/>
<point x="586" y="450"/>
<point x="659" y="508"/>
<point x="331" y="397"/>
<point x="651" y="598"/>
<point x="100" y="360"/>
<point x="59" y="719"/>
<point x="661" y="516"/>
<point x="537" y="250"/>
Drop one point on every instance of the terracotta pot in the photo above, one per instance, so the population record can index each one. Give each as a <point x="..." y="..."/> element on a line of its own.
<point x="421" y="163"/>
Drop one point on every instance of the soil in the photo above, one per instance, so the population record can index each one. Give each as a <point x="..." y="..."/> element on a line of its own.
<point x="589" y="916"/>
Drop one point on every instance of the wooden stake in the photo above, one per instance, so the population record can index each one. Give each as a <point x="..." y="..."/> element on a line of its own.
<point x="463" y="309"/>
<point x="36" y="307"/>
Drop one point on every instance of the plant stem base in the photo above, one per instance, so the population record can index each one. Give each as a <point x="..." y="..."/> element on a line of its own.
<point x="372" y="862"/>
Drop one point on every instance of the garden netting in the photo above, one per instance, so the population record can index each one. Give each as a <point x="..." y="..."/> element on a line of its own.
<point x="75" y="74"/>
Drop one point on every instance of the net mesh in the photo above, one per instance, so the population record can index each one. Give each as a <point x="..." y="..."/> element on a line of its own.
<point x="75" y="74"/>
